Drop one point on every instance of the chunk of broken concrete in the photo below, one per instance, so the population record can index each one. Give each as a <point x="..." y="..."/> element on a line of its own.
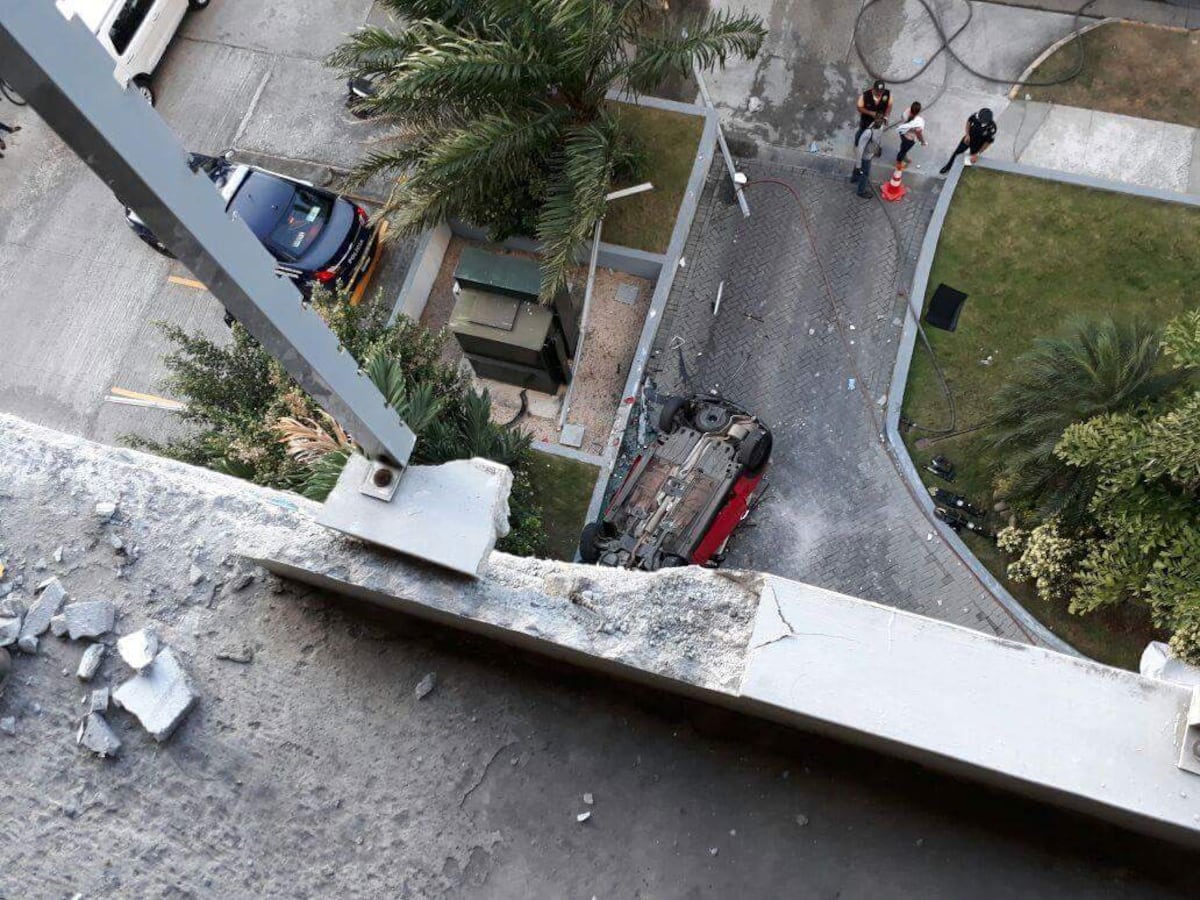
<point x="160" y="697"/>
<point x="10" y="630"/>
<point x="95" y="734"/>
<point x="98" y="701"/>
<point x="8" y="725"/>
<point x="58" y="625"/>
<point x="106" y="509"/>
<point x="90" y="618"/>
<point x="195" y="575"/>
<point x="12" y="608"/>
<point x="450" y="515"/>
<point x="44" y="608"/>
<point x="239" y="653"/>
<point x="27" y="643"/>
<point x="425" y="686"/>
<point x="139" y="648"/>
<point x="90" y="662"/>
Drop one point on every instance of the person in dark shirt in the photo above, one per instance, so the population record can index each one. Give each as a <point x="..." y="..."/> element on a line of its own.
<point x="980" y="132"/>
<point x="871" y="104"/>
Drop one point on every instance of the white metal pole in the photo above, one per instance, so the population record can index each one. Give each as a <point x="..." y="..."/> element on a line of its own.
<point x="733" y="173"/>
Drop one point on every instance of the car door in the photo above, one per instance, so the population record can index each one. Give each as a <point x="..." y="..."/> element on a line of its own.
<point x="128" y="33"/>
<point x="164" y="20"/>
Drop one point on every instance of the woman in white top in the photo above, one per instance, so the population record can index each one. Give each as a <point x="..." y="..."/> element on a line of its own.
<point x="911" y="130"/>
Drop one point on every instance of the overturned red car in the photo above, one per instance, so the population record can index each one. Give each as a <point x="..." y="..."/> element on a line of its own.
<point x="687" y="492"/>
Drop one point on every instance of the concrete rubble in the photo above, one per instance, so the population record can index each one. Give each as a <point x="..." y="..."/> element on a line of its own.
<point x="139" y="648"/>
<point x="105" y="509"/>
<point x="98" y="700"/>
<point x="8" y="725"/>
<point x="96" y="735"/>
<point x="160" y="696"/>
<point x="89" y="619"/>
<point x="425" y="686"/>
<point x="58" y="625"/>
<point x="89" y="663"/>
<point x="10" y="630"/>
<point x="27" y="643"/>
<point x="43" y="609"/>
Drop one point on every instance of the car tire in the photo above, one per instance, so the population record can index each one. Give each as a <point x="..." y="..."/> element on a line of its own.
<point x="710" y="417"/>
<point x="589" y="552"/>
<point x="754" y="452"/>
<point x="197" y="4"/>
<point x="666" y="416"/>
<point x="143" y="87"/>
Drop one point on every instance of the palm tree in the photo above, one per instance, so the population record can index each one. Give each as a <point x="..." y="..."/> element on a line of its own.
<point x="1098" y="366"/>
<point x="504" y="99"/>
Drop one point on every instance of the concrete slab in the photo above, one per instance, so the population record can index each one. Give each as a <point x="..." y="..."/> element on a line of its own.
<point x="95" y="734"/>
<point x="89" y="619"/>
<point x="160" y="697"/>
<point x="450" y="515"/>
<point x="43" y="609"/>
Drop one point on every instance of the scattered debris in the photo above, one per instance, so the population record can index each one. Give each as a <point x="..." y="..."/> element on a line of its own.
<point x="90" y="619"/>
<point x="160" y="696"/>
<point x="27" y="643"/>
<point x="589" y="799"/>
<point x="114" y="541"/>
<point x="139" y="648"/>
<point x="850" y="384"/>
<point x="90" y="662"/>
<point x="106" y="509"/>
<point x="195" y="575"/>
<point x="95" y="735"/>
<point x="754" y="104"/>
<point x="98" y="701"/>
<point x="44" y="608"/>
<point x="58" y="554"/>
<point x="58" y="625"/>
<point x="425" y="686"/>
<point x="239" y="653"/>
<point x="10" y="630"/>
<point x="8" y="725"/>
<point x="713" y="850"/>
<point x="243" y="581"/>
<point x="583" y="816"/>
<point x="801" y="820"/>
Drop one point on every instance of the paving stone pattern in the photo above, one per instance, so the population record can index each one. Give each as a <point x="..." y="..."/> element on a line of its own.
<point x="837" y="513"/>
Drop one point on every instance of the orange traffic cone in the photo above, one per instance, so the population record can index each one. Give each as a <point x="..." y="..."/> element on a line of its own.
<point x="894" y="190"/>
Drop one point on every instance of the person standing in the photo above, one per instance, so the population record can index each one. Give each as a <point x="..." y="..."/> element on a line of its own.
<point x="11" y="130"/>
<point x="911" y="130"/>
<point x="979" y="135"/>
<point x="867" y="149"/>
<point x="872" y="103"/>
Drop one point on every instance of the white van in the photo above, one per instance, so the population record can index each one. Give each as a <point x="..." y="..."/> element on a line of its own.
<point x="134" y="32"/>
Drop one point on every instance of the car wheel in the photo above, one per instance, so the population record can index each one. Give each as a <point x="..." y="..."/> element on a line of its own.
<point x="142" y="84"/>
<point x="710" y="417"/>
<point x="755" y="450"/>
<point x="670" y="409"/>
<point x="589" y="552"/>
<point x="197" y="4"/>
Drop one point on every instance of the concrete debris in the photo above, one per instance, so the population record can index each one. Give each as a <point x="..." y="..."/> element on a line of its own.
<point x="98" y="701"/>
<point x="90" y="662"/>
<point x="95" y="735"/>
<point x="12" y="608"/>
<point x="139" y="648"/>
<point x="589" y="799"/>
<point x="58" y="625"/>
<point x="89" y="619"/>
<point x="160" y="697"/>
<point x="243" y="581"/>
<point x="801" y="820"/>
<point x="583" y="816"/>
<point x="195" y="575"/>
<point x="114" y="541"/>
<point x="10" y="630"/>
<point x="754" y="104"/>
<point x="713" y="851"/>
<point x="425" y="686"/>
<point x="44" y="608"/>
<point x="27" y="643"/>
<point x="58" y="554"/>
<point x="8" y="725"/>
<point x="239" y="653"/>
<point x="5" y="667"/>
<point x="106" y="509"/>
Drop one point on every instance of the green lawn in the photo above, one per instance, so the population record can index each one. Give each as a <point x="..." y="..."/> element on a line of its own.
<point x="1131" y="69"/>
<point x="1030" y="254"/>
<point x="670" y="140"/>
<point x="563" y="487"/>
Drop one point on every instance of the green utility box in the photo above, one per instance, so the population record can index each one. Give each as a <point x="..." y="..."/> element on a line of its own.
<point x="503" y="329"/>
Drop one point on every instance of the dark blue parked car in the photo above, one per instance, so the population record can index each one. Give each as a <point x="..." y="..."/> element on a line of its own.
<point x="314" y="235"/>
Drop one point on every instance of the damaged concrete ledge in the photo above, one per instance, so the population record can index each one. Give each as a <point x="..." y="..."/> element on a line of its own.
<point x="1067" y="731"/>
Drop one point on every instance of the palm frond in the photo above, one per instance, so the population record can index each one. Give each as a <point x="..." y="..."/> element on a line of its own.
<point x="711" y="40"/>
<point x="307" y="440"/>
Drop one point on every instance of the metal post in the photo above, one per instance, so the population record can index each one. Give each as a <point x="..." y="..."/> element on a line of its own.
<point x="67" y="77"/>
<point x="733" y="173"/>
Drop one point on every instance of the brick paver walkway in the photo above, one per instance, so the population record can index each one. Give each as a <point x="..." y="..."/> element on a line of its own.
<point x="837" y="513"/>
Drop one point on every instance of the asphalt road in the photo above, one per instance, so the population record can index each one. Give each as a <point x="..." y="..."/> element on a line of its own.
<point x="84" y="293"/>
<point x="81" y="294"/>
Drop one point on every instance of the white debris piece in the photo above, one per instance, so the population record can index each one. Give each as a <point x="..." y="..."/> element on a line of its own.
<point x="425" y="686"/>
<point x="95" y="734"/>
<point x="90" y="662"/>
<point x="160" y="696"/>
<point x="58" y="554"/>
<point x="139" y="649"/>
<point x="90" y="619"/>
<point x="195" y="575"/>
<point x="98" y="701"/>
<point x="713" y="850"/>
<point x="10" y="630"/>
<point x="58" y="625"/>
<point x="583" y="816"/>
<point x="8" y="725"/>
<point x="106" y="509"/>
<point x="801" y="820"/>
<point x="589" y="799"/>
<point x="44" y="608"/>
